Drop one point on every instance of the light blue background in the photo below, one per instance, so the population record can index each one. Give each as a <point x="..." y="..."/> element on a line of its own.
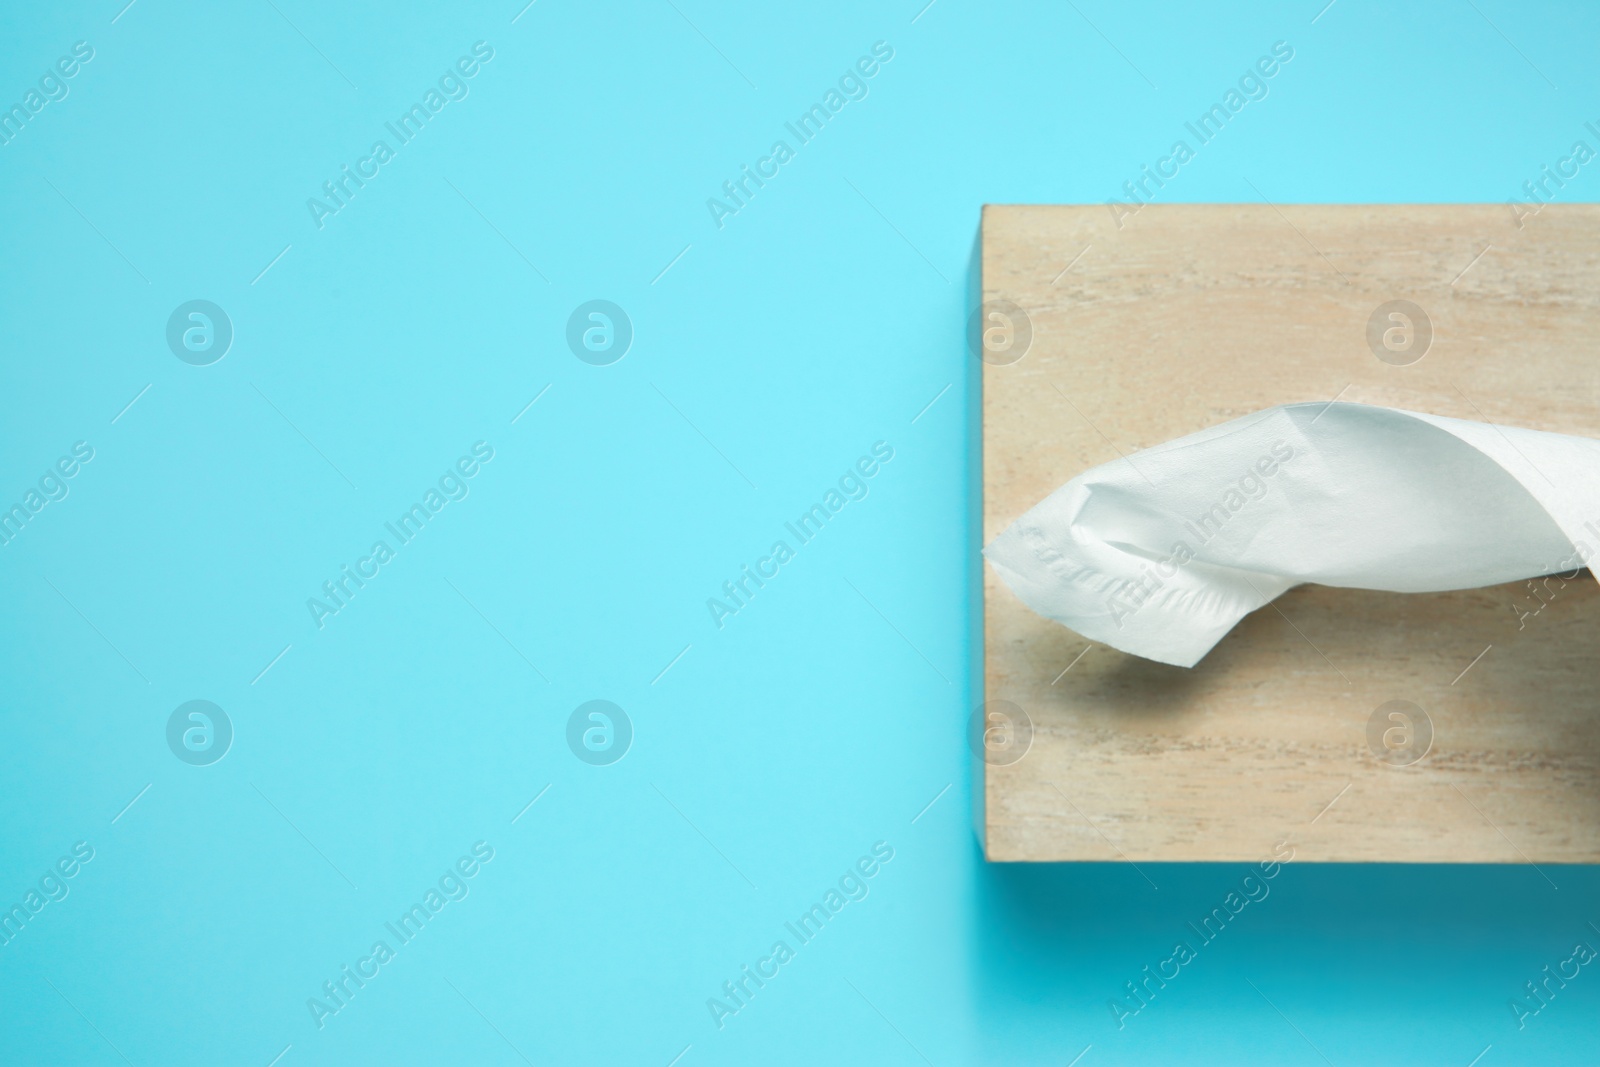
<point x="789" y="741"/>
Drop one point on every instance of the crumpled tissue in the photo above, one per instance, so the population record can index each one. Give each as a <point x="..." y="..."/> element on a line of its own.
<point x="1162" y="552"/>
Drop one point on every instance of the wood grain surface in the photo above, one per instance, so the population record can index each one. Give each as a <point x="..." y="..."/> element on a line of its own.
<point x="1191" y="315"/>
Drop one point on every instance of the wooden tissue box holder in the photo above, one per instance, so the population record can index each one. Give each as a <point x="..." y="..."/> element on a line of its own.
<point x="1151" y="325"/>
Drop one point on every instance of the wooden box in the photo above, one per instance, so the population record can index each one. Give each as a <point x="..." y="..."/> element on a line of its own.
<point x="1155" y="324"/>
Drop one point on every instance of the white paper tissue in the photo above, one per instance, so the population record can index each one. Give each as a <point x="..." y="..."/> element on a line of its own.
<point x="1159" y="554"/>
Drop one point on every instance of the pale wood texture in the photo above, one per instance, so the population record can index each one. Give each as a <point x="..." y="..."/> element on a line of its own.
<point x="1191" y="315"/>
